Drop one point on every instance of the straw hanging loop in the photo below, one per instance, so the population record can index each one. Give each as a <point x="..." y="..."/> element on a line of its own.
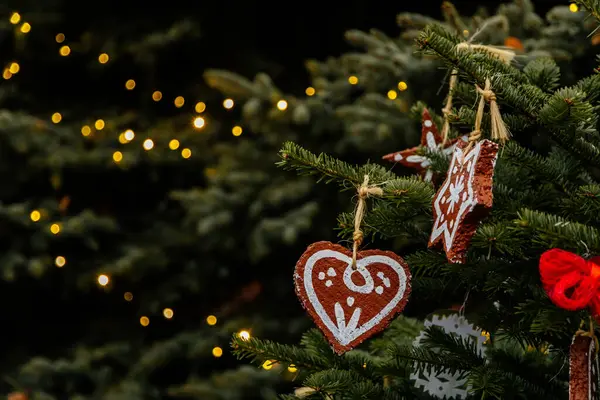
<point x="364" y="191"/>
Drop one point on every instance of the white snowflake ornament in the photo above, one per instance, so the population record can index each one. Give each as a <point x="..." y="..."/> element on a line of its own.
<point x="442" y="384"/>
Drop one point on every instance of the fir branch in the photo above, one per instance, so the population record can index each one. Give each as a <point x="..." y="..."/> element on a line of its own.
<point x="555" y="231"/>
<point x="544" y="73"/>
<point x="260" y="351"/>
<point x="584" y="204"/>
<point x="591" y="6"/>
<point x="294" y="157"/>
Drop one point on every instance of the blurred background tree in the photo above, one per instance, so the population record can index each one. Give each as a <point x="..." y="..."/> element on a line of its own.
<point x="143" y="220"/>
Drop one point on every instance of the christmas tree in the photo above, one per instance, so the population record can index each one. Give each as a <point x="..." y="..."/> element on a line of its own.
<point x="508" y="311"/>
<point x="140" y="224"/>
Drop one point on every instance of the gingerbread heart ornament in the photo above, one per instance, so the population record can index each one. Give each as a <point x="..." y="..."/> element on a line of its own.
<point x="350" y="304"/>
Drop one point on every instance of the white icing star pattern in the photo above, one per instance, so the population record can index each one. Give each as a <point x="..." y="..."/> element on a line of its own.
<point x="464" y="198"/>
<point x="451" y="195"/>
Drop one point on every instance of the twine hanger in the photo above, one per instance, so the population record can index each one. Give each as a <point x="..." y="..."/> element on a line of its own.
<point x="506" y="56"/>
<point x="364" y="191"/>
<point x="499" y="130"/>
<point x="589" y="333"/>
<point x="448" y="107"/>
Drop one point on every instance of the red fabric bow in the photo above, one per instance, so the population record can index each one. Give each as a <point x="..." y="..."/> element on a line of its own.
<point x="571" y="281"/>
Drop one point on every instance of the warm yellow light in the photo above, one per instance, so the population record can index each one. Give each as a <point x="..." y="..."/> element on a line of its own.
<point x="129" y="135"/>
<point x="128" y="296"/>
<point x="268" y="364"/>
<point x="103" y="58"/>
<point x="55" y="228"/>
<point x="200" y="107"/>
<point x="117" y="156"/>
<point x="217" y="351"/>
<point x="60" y="261"/>
<point x="199" y="122"/>
<point x="310" y="91"/>
<point x="86" y="130"/>
<point x="282" y="105"/>
<point x="292" y="368"/>
<point x="35" y="215"/>
<point x="244" y="335"/>
<point x="60" y="37"/>
<point x="64" y="51"/>
<point x="157" y="95"/>
<point x="15" y="18"/>
<point x="130" y="84"/>
<point x="25" y="27"/>
<point x="573" y="7"/>
<point x="122" y="139"/>
<point x="103" y="280"/>
<point x="6" y="74"/>
<point x="392" y="94"/>
<point x="211" y="320"/>
<point x="179" y="101"/>
<point x="14" y="68"/>
<point x="168" y="313"/>
<point x="99" y="124"/>
<point x="144" y="321"/>
<point x="402" y="86"/>
<point x="228" y="104"/>
<point x="186" y="153"/>
<point x="148" y="144"/>
<point x="56" y="117"/>
<point x="353" y="80"/>
<point x="174" y="144"/>
<point x="237" y="130"/>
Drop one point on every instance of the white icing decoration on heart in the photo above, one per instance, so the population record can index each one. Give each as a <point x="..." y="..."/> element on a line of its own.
<point x="366" y="288"/>
<point x="341" y="318"/>
<point x="331" y="272"/>
<point x="379" y="290"/>
<point x="347" y="333"/>
<point x="328" y="283"/>
<point x="384" y="279"/>
<point x="350" y="301"/>
<point x="321" y="275"/>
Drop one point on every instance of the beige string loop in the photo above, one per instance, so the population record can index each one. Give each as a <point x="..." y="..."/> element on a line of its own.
<point x="504" y="55"/>
<point x="364" y="191"/>
<point x="590" y="333"/>
<point x="448" y="107"/>
<point x="498" y="128"/>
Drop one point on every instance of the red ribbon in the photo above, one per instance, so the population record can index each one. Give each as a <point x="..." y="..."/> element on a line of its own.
<point x="572" y="282"/>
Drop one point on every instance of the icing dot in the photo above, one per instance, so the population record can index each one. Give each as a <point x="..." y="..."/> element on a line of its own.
<point x="397" y="157"/>
<point x="427" y="123"/>
<point x="321" y="275"/>
<point x="328" y="283"/>
<point x="350" y="301"/>
<point x="331" y="272"/>
<point x="378" y="290"/>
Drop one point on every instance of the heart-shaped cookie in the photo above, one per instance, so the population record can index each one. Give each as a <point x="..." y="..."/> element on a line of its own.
<point x="351" y="304"/>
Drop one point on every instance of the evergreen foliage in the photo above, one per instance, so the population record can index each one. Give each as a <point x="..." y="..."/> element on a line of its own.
<point x="545" y="196"/>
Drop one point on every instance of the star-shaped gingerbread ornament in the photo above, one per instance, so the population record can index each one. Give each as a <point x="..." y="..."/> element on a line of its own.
<point x="430" y="139"/>
<point x="464" y="199"/>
